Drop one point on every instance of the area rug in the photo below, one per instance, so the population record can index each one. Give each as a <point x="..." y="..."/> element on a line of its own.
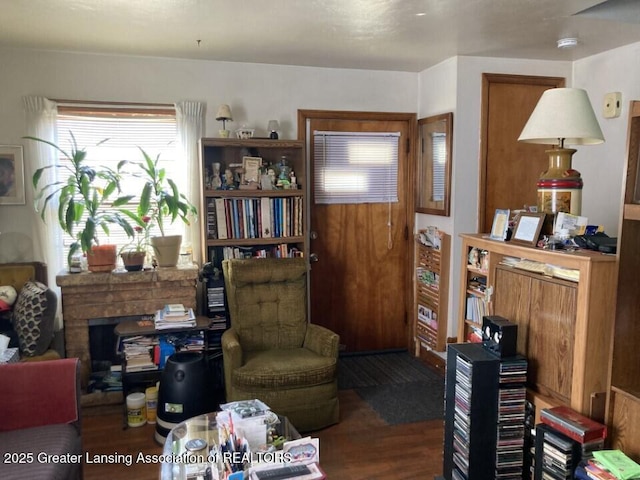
<point x="398" y="386"/>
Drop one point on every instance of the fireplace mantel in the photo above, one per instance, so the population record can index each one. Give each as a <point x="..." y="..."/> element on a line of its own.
<point x="87" y="296"/>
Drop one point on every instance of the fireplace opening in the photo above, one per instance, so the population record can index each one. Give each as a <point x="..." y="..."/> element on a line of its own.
<point x="106" y="361"/>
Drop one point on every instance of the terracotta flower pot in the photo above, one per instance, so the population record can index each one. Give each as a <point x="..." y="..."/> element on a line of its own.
<point x="102" y="258"/>
<point x="133" y="261"/>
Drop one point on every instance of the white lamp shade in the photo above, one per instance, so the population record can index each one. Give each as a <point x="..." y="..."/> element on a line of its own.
<point x="563" y="114"/>
<point x="224" y="113"/>
<point x="273" y="125"/>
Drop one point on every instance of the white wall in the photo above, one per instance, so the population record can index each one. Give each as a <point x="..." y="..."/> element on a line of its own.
<point x="255" y="92"/>
<point x="602" y="166"/>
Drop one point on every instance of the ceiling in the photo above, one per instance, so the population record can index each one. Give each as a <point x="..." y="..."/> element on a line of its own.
<point x="401" y="35"/>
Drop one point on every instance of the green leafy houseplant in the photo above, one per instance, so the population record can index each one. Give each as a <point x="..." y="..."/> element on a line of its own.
<point x="161" y="203"/>
<point x="83" y="197"/>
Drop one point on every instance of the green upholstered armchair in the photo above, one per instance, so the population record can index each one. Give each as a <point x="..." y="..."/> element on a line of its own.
<point x="271" y="352"/>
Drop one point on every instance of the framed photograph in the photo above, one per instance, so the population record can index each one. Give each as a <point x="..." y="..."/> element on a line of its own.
<point x="500" y="225"/>
<point x="527" y="230"/>
<point x="11" y="175"/>
<point x="251" y="167"/>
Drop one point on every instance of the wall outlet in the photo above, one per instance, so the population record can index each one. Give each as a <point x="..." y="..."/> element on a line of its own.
<point x="612" y="105"/>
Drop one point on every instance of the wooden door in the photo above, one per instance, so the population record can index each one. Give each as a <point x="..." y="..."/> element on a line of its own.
<point x="360" y="285"/>
<point x="509" y="170"/>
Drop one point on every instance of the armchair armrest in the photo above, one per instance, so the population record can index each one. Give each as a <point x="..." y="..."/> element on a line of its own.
<point x="322" y="341"/>
<point x="232" y="355"/>
<point x="40" y="393"/>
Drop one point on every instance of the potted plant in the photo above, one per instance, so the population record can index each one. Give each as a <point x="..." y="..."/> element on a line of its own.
<point x="83" y="199"/>
<point x="134" y="255"/>
<point x="163" y="204"/>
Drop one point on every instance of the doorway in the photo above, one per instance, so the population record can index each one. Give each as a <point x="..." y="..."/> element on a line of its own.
<point x="509" y="170"/>
<point x="361" y="253"/>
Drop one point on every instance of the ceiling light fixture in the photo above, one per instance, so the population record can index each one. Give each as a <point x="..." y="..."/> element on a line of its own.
<point x="569" y="42"/>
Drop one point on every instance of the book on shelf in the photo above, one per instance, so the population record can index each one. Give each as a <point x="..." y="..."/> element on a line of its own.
<point x="574" y="425"/>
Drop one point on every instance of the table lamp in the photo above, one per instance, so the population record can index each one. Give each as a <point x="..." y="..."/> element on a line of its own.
<point x="562" y="116"/>
<point x="224" y="114"/>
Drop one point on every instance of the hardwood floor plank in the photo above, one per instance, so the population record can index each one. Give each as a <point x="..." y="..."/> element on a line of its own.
<point x="361" y="447"/>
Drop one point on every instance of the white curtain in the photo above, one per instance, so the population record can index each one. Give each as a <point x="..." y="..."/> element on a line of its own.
<point x="41" y="116"/>
<point x="190" y="124"/>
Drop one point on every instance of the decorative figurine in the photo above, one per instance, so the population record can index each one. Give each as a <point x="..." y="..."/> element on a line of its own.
<point x="215" y="180"/>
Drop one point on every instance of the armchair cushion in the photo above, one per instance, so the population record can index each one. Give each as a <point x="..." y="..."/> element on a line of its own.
<point x="33" y="318"/>
<point x="291" y="368"/>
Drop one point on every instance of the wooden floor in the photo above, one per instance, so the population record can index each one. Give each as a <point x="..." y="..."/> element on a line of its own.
<point x="361" y="447"/>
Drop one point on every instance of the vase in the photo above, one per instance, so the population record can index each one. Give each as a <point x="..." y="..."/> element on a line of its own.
<point x="133" y="261"/>
<point x="166" y="250"/>
<point x="102" y="258"/>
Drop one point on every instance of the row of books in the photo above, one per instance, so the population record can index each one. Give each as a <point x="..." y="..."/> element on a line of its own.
<point x="265" y="217"/>
<point x="477" y="308"/>
<point x="283" y="250"/>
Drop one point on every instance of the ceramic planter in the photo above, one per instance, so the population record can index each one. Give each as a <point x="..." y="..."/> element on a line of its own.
<point x="166" y="249"/>
<point x="133" y="261"/>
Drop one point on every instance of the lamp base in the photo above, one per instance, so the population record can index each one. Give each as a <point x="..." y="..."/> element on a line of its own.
<point x="560" y="187"/>
<point x="223" y="133"/>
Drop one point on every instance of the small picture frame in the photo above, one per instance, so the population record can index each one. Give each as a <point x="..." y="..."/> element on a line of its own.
<point x="251" y="167"/>
<point x="11" y="175"/>
<point x="527" y="230"/>
<point x="500" y="225"/>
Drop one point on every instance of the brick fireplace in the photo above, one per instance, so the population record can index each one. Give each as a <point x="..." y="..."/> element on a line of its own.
<point x="87" y="296"/>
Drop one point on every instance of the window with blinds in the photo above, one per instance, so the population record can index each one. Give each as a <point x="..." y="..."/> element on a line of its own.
<point x="439" y="153"/>
<point x="355" y="167"/>
<point x="112" y="135"/>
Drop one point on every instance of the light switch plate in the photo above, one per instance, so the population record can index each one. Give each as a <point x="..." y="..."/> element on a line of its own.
<point x="612" y="105"/>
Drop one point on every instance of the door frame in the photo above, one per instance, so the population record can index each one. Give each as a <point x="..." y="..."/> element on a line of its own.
<point x="487" y="80"/>
<point x="408" y="182"/>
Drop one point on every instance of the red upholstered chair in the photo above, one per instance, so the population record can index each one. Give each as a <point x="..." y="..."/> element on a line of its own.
<point x="40" y="405"/>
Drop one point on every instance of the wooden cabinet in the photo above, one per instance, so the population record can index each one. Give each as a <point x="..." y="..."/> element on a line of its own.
<point x="623" y="413"/>
<point x="431" y="285"/>
<point x="564" y="326"/>
<point x="246" y="220"/>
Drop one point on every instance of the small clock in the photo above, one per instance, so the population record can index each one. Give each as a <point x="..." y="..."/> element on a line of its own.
<point x="499" y="335"/>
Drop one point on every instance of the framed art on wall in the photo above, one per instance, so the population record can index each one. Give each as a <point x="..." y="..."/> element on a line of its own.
<point x="11" y="175"/>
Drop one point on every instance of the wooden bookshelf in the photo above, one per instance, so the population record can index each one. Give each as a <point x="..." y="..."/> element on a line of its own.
<point x="431" y="287"/>
<point x="623" y="409"/>
<point x="564" y="327"/>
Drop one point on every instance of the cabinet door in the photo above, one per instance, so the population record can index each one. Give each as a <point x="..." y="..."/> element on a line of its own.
<point x="545" y="312"/>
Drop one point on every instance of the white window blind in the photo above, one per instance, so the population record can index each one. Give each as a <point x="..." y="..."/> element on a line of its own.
<point x="439" y="155"/>
<point x="125" y="131"/>
<point x="355" y="167"/>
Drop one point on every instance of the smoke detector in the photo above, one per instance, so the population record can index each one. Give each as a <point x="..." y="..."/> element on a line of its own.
<point x="569" y="42"/>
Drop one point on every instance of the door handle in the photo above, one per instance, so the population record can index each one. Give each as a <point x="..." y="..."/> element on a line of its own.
<point x="313" y="258"/>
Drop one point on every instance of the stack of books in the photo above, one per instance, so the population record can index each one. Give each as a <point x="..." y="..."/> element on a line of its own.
<point x="174" y="316"/>
<point x="138" y="352"/>
<point x="566" y="438"/>
<point x="587" y="432"/>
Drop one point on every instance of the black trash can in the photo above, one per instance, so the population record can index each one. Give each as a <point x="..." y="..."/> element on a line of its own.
<point x="184" y="392"/>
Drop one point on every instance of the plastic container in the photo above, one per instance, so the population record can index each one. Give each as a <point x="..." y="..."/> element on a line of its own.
<point x="136" y="409"/>
<point x="151" y="395"/>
